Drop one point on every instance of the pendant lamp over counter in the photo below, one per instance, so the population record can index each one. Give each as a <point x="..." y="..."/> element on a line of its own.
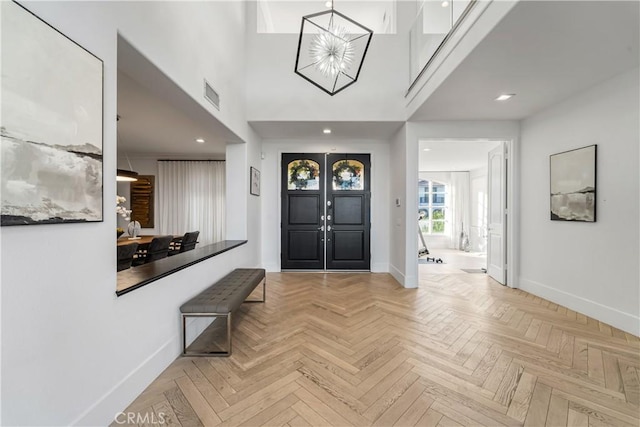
<point x="123" y="175"/>
<point x="331" y="50"/>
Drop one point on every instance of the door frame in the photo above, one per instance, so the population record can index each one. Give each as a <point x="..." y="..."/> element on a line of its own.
<point x="499" y="272"/>
<point x="373" y="221"/>
<point x="512" y="206"/>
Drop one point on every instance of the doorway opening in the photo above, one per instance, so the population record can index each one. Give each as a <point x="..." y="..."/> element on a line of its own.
<point x="461" y="205"/>
<point x="326" y="204"/>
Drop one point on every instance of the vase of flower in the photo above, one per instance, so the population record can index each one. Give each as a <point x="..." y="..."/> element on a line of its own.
<point x="134" y="229"/>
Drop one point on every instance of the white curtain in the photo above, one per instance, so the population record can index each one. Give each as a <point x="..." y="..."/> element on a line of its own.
<point x="460" y="207"/>
<point x="191" y="197"/>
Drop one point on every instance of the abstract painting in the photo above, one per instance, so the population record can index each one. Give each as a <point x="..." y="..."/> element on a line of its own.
<point x="573" y="185"/>
<point x="255" y="182"/>
<point x="51" y="124"/>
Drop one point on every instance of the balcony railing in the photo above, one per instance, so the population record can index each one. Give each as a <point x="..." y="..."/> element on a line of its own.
<point x="434" y="24"/>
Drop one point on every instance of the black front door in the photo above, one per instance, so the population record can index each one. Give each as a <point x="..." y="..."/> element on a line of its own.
<point x="325" y="211"/>
<point x="302" y="212"/>
<point x="348" y="206"/>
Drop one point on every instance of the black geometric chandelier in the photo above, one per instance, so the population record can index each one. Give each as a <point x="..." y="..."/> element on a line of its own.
<point x="331" y="50"/>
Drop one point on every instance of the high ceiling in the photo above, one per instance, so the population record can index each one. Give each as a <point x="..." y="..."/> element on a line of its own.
<point x="544" y="52"/>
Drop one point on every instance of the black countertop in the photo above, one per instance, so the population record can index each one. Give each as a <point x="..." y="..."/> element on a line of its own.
<point x="137" y="277"/>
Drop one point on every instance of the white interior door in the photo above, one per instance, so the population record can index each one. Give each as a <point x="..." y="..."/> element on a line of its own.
<point x="496" y="242"/>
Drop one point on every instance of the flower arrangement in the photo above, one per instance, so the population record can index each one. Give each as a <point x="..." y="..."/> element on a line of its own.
<point x="121" y="210"/>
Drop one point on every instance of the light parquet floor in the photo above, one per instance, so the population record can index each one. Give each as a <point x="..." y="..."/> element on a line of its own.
<point x="358" y="349"/>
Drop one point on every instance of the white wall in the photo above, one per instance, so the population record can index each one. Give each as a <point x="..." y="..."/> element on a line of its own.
<point x="589" y="267"/>
<point x="271" y="178"/>
<point x="398" y="206"/>
<point x="73" y="352"/>
<point x="275" y="92"/>
<point x="244" y="210"/>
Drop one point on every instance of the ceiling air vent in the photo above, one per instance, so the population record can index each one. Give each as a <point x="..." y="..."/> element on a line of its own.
<point x="211" y="95"/>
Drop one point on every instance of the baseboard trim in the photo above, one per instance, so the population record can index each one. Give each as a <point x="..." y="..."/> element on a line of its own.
<point x="621" y="320"/>
<point x="396" y="274"/>
<point x="122" y="394"/>
<point x="410" y="282"/>
<point x="406" y="281"/>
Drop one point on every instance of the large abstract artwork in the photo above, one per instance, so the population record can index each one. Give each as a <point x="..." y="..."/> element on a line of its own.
<point x="51" y="124"/>
<point x="573" y="185"/>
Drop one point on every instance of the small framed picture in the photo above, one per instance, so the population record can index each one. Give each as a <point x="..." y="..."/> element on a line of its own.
<point x="573" y="185"/>
<point x="254" y="187"/>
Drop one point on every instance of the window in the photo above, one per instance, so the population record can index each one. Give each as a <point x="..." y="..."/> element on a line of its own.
<point x="348" y="175"/>
<point x="432" y="206"/>
<point x="303" y="174"/>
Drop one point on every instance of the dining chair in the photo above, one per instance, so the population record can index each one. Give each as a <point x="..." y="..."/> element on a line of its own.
<point x="157" y="249"/>
<point x="186" y="243"/>
<point x="125" y="255"/>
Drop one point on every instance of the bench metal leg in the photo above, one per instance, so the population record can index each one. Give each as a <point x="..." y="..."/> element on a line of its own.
<point x="227" y="316"/>
<point x="264" y="293"/>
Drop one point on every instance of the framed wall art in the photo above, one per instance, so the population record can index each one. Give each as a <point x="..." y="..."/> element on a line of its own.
<point x="51" y="126"/>
<point x="573" y="185"/>
<point x="254" y="187"/>
<point x="141" y="193"/>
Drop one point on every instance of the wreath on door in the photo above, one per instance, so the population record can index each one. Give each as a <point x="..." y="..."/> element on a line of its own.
<point x="344" y="174"/>
<point x="301" y="172"/>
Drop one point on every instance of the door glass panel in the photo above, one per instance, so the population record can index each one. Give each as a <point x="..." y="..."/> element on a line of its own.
<point x="437" y="220"/>
<point x="303" y="175"/>
<point x="348" y="175"/>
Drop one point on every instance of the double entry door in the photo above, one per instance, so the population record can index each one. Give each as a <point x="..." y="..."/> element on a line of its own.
<point x="325" y="212"/>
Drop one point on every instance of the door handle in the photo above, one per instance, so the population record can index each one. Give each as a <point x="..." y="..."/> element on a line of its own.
<point x="328" y="228"/>
<point x="321" y="228"/>
<point x="328" y="217"/>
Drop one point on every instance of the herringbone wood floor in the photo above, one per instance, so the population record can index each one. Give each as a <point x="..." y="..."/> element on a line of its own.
<point x="358" y="349"/>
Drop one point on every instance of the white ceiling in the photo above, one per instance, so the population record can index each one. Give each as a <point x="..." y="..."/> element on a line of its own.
<point x="158" y="119"/>
<point x="339" y="130"/>
<point x="446" y="155"/>
<point x="285" y="16"/>
<point x="544" y="52"/>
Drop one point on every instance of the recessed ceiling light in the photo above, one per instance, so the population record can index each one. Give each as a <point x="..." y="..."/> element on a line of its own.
<point x="326" y="131"/>
<point x="427" y="149"/>
<point x="200" y="141"/>
<point x="505" y="96"/>
<point x="445" y="3"/>
<point x="328" y="4"/>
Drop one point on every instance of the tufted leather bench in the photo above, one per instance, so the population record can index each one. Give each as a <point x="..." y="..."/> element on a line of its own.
<point x="220" y="300"/>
